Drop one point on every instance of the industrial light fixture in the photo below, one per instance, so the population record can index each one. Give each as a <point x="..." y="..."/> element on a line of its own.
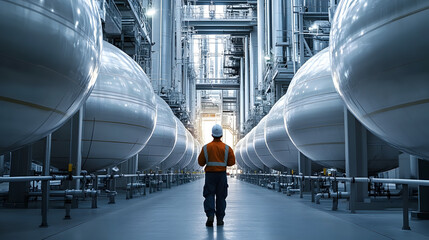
<point x="267" y="58"/>
<point x="150" y="12"/>
<point x="313" y="27"/>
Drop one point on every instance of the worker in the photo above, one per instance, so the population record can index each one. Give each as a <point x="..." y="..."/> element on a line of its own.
<point x="216" y="156"/>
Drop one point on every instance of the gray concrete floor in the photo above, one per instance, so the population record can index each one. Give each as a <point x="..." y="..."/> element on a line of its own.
<point x="252" y="213"/>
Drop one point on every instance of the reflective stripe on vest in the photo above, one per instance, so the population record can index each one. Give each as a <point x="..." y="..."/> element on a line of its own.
<point x="218" y="164"/>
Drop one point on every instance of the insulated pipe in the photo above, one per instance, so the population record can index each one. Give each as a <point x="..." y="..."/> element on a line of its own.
<point x="253" y="61"/>
<point x="242" y="103"/>
<point x="337" y="195"/>
<point x="277" y="31"/>
<point x="246" y="90"/>
<point x="166" y="45"/>
<point x="179" y="57"/>
<point x="268" y="27"/>
<point x="261" y="41"/>
<point x="156" y="48"/>
<point x="246" y="78"/>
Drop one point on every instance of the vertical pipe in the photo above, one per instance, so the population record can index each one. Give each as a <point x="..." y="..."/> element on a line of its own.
<point x="253" y="56"/>
<point x="268" y="25"/>
<point x="294" y="22"/>
<point x="246" y="74"/>
<point x="166" y="43"/>
<point x="179" y="57"/>
<point x="277" y="7"/>
<point x="261" y="41"/>
<point x="1" y="165"/>
<point x="301" y="36"/>
<point x="245" y="98"/>
<point x="156" y="48"/>
<point x="45" y="184"/>
<point x="76" y="146"/>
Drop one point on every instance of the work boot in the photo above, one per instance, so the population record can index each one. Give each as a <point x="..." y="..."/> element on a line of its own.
<point x="210" y="221"/>
<point x="220" y="222"/>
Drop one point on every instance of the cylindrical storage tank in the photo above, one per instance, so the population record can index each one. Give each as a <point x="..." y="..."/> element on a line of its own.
<point x="277" y="139"/>
<point x="163" y="138"/>
<point x="186" y="159"/>
<point x="49" y="61"/>
<point x="385" y="83"/>
<point x="314" y="119"/>
<point x="119" y="116"/>
<point x="250" y="149"/>
<point x="244" y="156"/>
<point x="238" y="158"/>
<point x="179" y="148"/>
<point x="191" y="166"/>
<point x="261" y="148"/>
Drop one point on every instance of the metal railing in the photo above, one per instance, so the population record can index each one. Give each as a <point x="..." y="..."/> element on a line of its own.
<point x="300" y="179"/>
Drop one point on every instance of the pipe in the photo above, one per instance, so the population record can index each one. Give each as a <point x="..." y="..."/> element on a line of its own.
<point x="253" y="63"/>
<point x="242" y="93"/>
<point x="246" y="80"/>
<point x="277" y="29"/>
<point x="166" y="45"/>
<point x="72" y="192"/>
<point x="261" y="41"/>
<point x="337" y="195"/>
<point x="179" y="57"/>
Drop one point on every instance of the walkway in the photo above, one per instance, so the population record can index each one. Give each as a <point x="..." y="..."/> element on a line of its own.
<point x="252" y="213"/>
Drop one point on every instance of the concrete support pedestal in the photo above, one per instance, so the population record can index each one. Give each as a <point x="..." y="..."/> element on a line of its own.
<point x="356" y="159"/>
<point x="423" y="203"/>
<point x="20" y="165"/>
<point x="76" y="151"/>
<point x="304" y="168"/>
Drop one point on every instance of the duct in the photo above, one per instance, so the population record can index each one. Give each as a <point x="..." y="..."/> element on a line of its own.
<point x="261" y="42"/>
<point x="166" y="46"/>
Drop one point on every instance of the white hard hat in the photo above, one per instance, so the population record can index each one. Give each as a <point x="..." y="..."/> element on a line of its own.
<point x="217" y="131"/>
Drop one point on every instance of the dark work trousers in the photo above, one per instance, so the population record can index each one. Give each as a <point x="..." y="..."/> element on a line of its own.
<point x="215" y="186"/>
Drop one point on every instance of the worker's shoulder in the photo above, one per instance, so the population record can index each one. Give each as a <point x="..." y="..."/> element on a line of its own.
<point x="217" y="144"/>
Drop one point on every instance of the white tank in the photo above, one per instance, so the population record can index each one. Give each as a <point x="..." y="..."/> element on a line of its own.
<point x="119" y="116"/>
<point x="49" y="61"/>
<point x="380" y="68"/>
<point x="261" y="148"/>
<point x="314" y="119"/>
<point x="179" y="148"/>
<point x="245" y="156"/>
<point x="186" y="159"/>
<point x="163" y="139"/>
<point x="238" y="159"/>
<point x="251" y="153"/>
<point x="277" y="139"/>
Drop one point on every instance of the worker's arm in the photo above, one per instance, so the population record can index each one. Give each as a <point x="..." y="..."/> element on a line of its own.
<point x="231" y="158"/>
<point x="201" y="159"/>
